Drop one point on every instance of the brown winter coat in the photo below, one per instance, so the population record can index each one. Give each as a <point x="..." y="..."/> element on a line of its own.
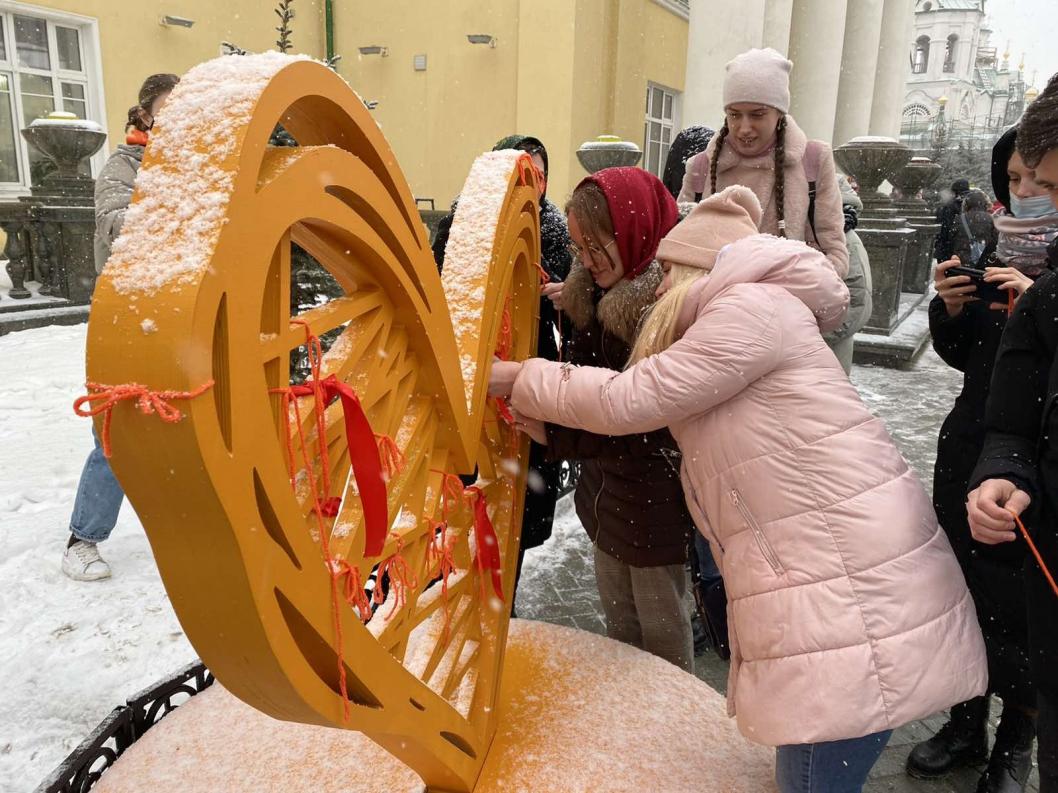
<point x="629" y="497"/>
<point x="758" y="174"/>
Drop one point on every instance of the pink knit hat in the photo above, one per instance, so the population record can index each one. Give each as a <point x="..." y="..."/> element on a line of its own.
<point x="760" y="77"/>
<point x="728" y="216"/>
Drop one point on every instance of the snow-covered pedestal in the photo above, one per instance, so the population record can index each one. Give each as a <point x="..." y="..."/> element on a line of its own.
<point x="607" y="151"/>
<point x="889" y="240"/>
<point x="50" y="231"/>
<point x="577" y="713"/>
<point x="914" y="177"/>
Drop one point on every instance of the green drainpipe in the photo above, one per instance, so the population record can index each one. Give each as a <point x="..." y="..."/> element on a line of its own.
<point x="328" y="26"/>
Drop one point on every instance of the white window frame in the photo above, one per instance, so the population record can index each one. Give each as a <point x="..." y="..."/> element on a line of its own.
<point x="673" y="125"/>
<point x="91" y="78"/>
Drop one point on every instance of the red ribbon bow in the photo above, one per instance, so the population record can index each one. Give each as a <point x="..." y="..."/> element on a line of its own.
<point x="364" y="456"/>
<point x="488" y="546"/>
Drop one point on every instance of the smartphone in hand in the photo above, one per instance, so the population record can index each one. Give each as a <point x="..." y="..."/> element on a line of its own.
<point x="986" y="292"/>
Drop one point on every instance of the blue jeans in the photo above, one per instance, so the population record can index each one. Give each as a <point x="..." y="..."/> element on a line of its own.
<point x="706" y="564"/>
<point x="99" y="496"/>
<point x="832" y="767"/>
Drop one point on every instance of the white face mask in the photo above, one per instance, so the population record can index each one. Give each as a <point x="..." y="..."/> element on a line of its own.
<point x="1035" y="207"/>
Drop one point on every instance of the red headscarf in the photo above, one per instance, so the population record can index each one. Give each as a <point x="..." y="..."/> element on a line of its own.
<point x="642" y="211"/>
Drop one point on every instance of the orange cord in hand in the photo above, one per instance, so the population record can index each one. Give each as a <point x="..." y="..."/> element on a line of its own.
<point x="1035" y="552"/>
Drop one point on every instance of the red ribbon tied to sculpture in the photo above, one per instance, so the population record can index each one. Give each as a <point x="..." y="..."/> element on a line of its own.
<point x="488" y="546"/>
<point x="364" y="457"/>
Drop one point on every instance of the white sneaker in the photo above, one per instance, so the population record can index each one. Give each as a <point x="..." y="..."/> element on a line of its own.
<point x="82" y="562"/>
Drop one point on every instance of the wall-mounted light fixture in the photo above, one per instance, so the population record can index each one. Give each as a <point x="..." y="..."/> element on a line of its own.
<point x="374" y="49"/>
<point x="482" y="38"/>
<point x="171" y="21"/>
<point x="370" y="104"/>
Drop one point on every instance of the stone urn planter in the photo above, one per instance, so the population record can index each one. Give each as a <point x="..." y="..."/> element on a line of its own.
<point x="65" y="140"/>
<point x="50" y="232"/>
<point x="608" y="151"/>
<point x="919" y="174"/>
<point x="873" y="160"/>
<point x="887" y="237"/>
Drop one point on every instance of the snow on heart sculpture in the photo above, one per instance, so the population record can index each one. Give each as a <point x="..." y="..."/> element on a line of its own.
<point x="319" y="538"/>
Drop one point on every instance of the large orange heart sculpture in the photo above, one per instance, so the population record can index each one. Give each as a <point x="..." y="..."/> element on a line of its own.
<point x="198" y="290"/>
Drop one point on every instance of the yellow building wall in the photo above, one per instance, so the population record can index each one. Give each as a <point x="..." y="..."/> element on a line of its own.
<point x="440" y="119"/>
<point x="562" y="70"/>
<point x="134" y="45"/>
<point x="651" y="47"/>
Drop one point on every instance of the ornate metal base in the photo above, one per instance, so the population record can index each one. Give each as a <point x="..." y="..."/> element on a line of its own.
<point x="118" y="731"/>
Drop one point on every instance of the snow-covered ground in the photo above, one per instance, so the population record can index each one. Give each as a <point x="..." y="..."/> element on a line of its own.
<point x="72" y="651"/>
<point x="69" y="651"/>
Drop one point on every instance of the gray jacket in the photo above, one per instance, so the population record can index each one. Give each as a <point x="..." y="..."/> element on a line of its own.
<point x="112" y="196"/>
<point x="859" y="278"/>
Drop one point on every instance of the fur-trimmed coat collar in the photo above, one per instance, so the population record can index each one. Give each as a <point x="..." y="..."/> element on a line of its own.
<point x="620" y="310"/>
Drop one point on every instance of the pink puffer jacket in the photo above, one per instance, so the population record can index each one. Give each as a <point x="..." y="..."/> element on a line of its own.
<point x="848" y="612"/>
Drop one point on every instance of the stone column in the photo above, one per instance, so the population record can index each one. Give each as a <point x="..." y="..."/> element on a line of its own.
<point x="893" y="66"/>
<point x="777" y="20"/>
<point x="859" y="68"/>
<point x="816" y="38"/>
<point x="719" y="30"/>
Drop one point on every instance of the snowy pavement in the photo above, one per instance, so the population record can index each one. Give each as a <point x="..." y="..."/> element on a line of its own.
<point x="71" y="651"/>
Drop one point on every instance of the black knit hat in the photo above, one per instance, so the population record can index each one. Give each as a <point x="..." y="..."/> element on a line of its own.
<point x="960" y="186"/>
<point x="526" y="143"/>
<point x="1001" y="154"/>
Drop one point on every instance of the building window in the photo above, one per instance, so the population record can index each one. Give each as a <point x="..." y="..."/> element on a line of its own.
<point x="916" y="120"/>
<point x="949" y="54"/>
<point x="659" y="127"/>
<point x="43" y="67"/>
<point x="920" y="56"/>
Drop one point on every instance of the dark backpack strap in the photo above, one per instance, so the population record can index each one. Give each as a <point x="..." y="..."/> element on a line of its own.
<point x="810" y="164"/>
<point x="812" y="209"/>
<point x="698" y="169"/>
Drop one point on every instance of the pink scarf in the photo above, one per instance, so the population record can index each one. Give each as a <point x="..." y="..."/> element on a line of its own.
<point x="1023" y="243"/>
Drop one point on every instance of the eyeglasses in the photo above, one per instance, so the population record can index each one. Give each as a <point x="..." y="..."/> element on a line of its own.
<point x="594" y="252"/>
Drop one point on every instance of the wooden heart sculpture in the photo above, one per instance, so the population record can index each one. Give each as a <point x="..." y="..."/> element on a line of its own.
<point x="258" y="501"/>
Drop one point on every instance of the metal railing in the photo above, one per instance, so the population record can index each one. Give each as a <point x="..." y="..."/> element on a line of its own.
<point x="123" y="727"/>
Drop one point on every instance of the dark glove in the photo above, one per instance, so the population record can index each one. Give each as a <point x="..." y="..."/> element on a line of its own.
<point x="852" y="217"/>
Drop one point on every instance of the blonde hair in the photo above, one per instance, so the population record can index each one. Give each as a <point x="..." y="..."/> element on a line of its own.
<point x="657" y="329"/>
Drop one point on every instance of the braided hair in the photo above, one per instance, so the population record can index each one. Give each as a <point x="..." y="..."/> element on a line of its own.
<point x="721" y="136"/>
<point x="780" y="162"/>
<point x="780" y="176"/>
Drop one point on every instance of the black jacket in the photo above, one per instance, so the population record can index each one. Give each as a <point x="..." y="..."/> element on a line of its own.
<point x="1021" y="445"/>
<point x="629" y="497"/>
<point x="969" y="342"/>
<point x="689" y="142"/>
<point x="542" y="494"/>
<point x="981" y="230"/>
<point x="948" y="218"/>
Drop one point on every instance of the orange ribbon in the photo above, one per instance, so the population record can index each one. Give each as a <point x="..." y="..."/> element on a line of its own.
<point x="104" y="398"/>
